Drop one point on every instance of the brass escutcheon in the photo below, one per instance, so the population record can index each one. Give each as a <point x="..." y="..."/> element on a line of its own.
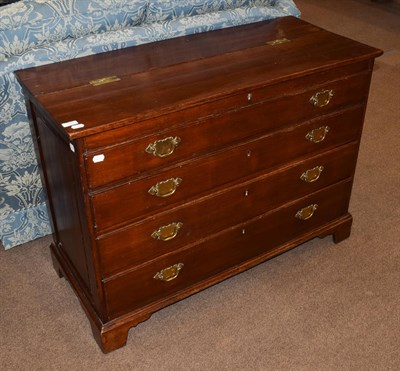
<point x="312" y="175"/>
<point x="165" y="188"/>
<point x="163" y="147"/>
<point x="306" y="212"/>
<point x="318" y="135"/>
<point x="169" y="273"/>
<point x="167" y="232"/>
<point x="322" y="98"/>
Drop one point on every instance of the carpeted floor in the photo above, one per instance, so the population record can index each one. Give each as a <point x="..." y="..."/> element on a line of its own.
<point x="318" y="307"/>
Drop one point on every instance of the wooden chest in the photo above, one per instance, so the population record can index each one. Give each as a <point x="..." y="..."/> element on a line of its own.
<point x="174" y="165"/>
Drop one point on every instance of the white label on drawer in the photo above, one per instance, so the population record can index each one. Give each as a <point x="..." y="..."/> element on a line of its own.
<point x="69" y="123"/>
<point x="98" y="158"/>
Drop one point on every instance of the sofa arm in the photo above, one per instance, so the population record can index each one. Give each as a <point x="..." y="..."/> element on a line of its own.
<point x="31" y="23"/>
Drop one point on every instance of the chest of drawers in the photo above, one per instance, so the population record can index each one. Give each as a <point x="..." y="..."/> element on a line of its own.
<point x="174" y="165"/>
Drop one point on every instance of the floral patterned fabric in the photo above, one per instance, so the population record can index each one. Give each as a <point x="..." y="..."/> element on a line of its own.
<point x="163" y="10"/>
<point x="114" y="25"/>
<point x="28" y="24"/>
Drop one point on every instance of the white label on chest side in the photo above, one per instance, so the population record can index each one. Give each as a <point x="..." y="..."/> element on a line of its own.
<point x="98" y="158"/>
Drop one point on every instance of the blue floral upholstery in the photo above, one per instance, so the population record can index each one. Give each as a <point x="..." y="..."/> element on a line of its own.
<point x="29" y="24"/>
<point x="36" y="32"/>
<point x="164" y="10"/>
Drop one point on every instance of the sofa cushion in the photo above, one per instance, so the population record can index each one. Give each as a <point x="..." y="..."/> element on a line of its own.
<point x="164" y="10"/>
<point x="29" y="23"/>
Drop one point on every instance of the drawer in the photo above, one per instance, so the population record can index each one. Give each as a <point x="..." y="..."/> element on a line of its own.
<point x="164" y="233"/>
<point x="141" y="126"/>
<point x="121" y="205"/>
<point x="170" y="146"/>
<point x="233" y="246"/>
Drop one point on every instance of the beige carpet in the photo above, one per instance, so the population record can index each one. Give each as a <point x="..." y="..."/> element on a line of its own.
<point x="319" y="307"/>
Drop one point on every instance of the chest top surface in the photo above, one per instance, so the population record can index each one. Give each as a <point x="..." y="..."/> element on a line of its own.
<point x="118" y="88"/>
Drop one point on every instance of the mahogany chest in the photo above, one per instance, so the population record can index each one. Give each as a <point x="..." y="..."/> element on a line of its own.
<point x="174" y="165"/>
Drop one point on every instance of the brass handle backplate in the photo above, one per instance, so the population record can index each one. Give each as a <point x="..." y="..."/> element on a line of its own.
<point x="318" y="135"/>
<point x="312" y="175"/>
<point x="165" y="188"/>
<point x="169" y="273"/>
<point x="306" y="212"/>
<point x="167" y="232"/>
<point x="322" y="98"/>
<point x="163" y="147"/>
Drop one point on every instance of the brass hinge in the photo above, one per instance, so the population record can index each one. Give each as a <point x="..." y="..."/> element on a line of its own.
<point x="104" y="80"/>
<point x="278" y="41"/>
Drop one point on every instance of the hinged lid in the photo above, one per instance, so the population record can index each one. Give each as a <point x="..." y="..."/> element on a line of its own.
<point x="118" y="88"/>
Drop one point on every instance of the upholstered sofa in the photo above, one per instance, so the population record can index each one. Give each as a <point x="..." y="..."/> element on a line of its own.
<point x="36" y="32"/>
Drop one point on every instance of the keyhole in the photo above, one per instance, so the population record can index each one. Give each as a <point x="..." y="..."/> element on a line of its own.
<point x="249" y="97"/>
<point x="249" y="153"/>
<point x="246" y="193"/>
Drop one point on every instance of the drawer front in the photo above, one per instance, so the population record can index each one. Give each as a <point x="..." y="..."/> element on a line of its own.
<point x="131" y="159"/>
<point x="142" y="127"/>
<point x="125" y="293"/>
<point x="166" y="232"/>
<point x="120" y="205"/>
